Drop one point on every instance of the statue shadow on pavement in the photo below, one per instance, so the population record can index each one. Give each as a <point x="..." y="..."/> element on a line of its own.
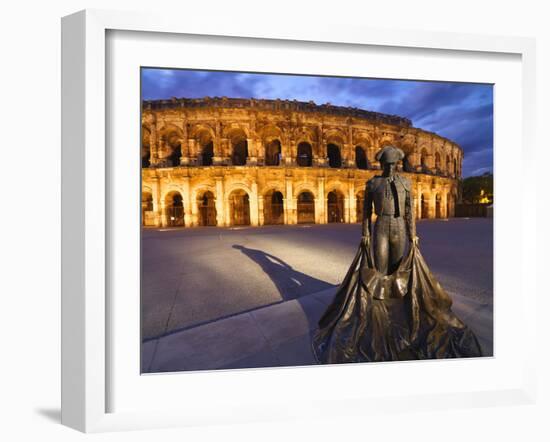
<point x="290" y="283"/>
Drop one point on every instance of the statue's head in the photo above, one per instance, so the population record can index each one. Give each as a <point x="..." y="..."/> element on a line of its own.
<point x="388" y="157"/>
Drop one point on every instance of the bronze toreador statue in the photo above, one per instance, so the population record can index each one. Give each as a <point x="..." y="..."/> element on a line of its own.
<point x="390" y="306"/>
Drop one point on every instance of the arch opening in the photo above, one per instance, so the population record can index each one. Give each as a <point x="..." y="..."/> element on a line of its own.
<point x="239" y="208"/>
<point x="306" y="208"/>
<point x="335" y="207"/>
<point x="174" y="209"/>
<point x="147" y="209"/>
<point x="273" y="153"/>
<point x="304" y="155"/>
<point x="274" y="208"/>
<point x="424" y="207"/>
<point x="207" y="209"/>
<point x="361" y="159"/>
<point x="207" y="153"/>
<point x="240" y="152"/>
<point x="334" y="156"/>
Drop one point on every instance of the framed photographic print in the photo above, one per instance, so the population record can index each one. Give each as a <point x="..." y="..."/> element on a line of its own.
<point x="250" y="216"/>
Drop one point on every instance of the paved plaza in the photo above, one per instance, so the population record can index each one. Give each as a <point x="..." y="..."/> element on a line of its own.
<point x="250" y="296"/>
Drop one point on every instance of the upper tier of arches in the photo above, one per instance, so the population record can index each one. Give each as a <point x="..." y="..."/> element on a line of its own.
<point x="259" y="135"/>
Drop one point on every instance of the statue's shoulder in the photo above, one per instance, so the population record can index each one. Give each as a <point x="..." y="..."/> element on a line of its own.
<point x="374" y="183"/>
<point x="406" y="182"/>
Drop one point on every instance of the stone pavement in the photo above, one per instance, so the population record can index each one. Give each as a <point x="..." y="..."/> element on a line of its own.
<point x="194" y="276"/>
<point x="274" y="336"/>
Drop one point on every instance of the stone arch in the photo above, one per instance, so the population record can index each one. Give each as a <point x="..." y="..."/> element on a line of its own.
<point x="335" y="206"/>
<point x="206" y="206"/>
<point x="334" y="155"/>
<point x="239" y="146"/>
<point x="147" y="207"/>
<point x="305" y="207"/>
<point x="171" y="137"/>
<point x="361" y="158"/>
<point x="173" y="207"/>
<point x="305" y="187"/>
<point x="204" y="147"/>
<point x="145" y="146"/>
<point x="273" y="207"/>
<point x="304" y="154"/>
<point x="239" y="207"/>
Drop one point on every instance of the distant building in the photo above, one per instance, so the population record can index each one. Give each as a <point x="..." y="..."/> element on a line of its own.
<point x="227" y="161"/>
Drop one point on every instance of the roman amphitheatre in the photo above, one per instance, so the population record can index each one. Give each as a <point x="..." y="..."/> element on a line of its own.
<point x="235" y="162"/>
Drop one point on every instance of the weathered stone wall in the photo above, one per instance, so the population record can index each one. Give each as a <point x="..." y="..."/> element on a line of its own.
<point x="219" y="162"/>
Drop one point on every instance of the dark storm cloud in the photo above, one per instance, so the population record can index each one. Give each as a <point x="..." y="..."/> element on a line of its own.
<point x="462" y="112"/>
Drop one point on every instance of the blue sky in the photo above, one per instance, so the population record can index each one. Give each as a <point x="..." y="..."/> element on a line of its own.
<point x="462" y="112"/>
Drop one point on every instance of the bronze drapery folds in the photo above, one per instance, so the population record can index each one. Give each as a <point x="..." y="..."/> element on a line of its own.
<point x="395" y="310"/>
<point x="402" y="316"/>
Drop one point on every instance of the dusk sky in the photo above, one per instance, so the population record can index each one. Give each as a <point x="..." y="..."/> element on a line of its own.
<point x="462" y="112"/>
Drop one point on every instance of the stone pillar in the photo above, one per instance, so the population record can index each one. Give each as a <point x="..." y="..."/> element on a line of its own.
<point x="254" y="216"/>
<point x="153" y="145"/>
<point x="261" y="220"/>
<point x="321" y="202"/>
<point x="217" y="159"/>
<point x="185" y="158"/>
<point x="444" y="211"/>
<point x="194" y="213"/>
<point x="431" y="206"/>
<point x="348" y="157"/>
<point x="193" y="154"/>
<point x="186" y="193"/>
<point x="352" y="202"/>
<point x="163" y="219"/>
<point x="346" y="210"/>
<point x="252" y="159"/>
<point x="155" y="187"/>
<point x="291" y="217"/>
<point x="289" y="156"/>
<point x="220" y="206"/>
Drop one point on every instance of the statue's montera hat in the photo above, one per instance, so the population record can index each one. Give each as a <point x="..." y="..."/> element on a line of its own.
<point x="390" y="154"/>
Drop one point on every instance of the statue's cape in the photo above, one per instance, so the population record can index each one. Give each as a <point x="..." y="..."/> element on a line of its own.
<point x="405" y="315"/>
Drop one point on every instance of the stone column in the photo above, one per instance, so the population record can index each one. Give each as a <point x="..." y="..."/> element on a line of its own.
<point x="254" y="216"/>
<point x="444" y="212"/>
<point x="186" y="193"/>
<point x="321" y="202"/>
<point x="252" y="159"/>
<point x="346" y="209"/>
<point x="193" y="156"/>
<point x="261" y="220"/>
<point x="348" y="157"/>
<point x="185" y="158"/>
<point x="289" y="155"/>
<point x="155" y="187"/>
<point x="291" y="217"/>
<point x="352" y="202"/>
<point x="163" y="219"/>
<point x="431" y="206"/>
<point x="153" y="145"/>
<point x="217" y="159"/>
<point x="220" y="206"/>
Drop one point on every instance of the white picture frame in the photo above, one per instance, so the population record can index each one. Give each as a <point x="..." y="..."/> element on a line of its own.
<point x="86" y="315"/>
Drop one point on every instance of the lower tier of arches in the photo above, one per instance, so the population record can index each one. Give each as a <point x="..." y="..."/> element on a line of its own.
<point x="172" y="201"/>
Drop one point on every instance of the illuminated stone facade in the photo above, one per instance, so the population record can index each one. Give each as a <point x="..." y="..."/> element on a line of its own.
<point x="225" y="162"/>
